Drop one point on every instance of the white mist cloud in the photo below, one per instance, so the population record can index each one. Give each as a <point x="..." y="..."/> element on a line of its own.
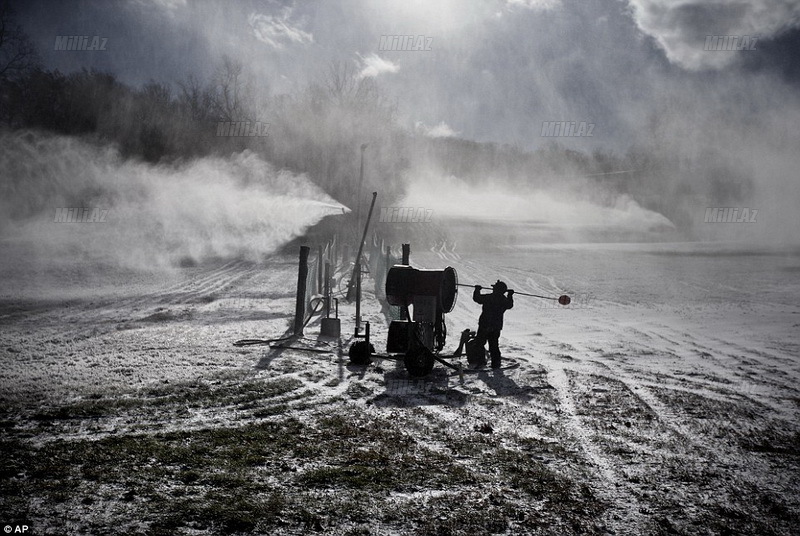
<point x="535" y="4"/>
<point x="373" y="65"/>
<point x="680" y="27"/>
<point x="277" y="31"/>
<point x="449" y="197"/>
<point x="442" y="130"/>
<point x="168" y="5"/>
<point x="157" y="216"/>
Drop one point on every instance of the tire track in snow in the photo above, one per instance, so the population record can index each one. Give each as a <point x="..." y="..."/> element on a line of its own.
<point x="622" y="502"/>
<point x="706" y="358"/>
<point x="196" y="289"/>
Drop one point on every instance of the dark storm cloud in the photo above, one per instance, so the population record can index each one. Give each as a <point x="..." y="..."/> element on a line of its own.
<point x="144" y="40"/>
<point x="681" y="27"/>
<point x="698" y="19"/>
<point x="495" y="69"/>
<point x="779" y="55"/>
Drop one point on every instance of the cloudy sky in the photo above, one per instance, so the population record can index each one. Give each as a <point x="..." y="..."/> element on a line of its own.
<point x="490" y="70"/>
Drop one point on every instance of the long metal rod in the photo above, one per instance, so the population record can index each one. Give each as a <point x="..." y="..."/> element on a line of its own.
<point x="358" y="300"/>
<point x="355" y="280"/>
<point x="366" y="227"/>
<point x="300" y="304"/>
<point x="360" y="183"/>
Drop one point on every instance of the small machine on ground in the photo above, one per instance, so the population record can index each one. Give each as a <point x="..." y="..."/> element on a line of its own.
<point x="431" y="294"/>
<point x="424" y="297"/>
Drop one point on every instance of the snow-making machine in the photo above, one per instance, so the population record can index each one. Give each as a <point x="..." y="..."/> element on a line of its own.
<point x="431" y="294"/>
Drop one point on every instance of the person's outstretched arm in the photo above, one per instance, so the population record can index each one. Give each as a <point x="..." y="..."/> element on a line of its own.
<point x="476" y="294"/>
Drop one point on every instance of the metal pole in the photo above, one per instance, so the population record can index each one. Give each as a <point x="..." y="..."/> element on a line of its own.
<point x="358" y="300"/>
<point x="327" y="290"/>
<point x="345" y="254"/>
<point x="360" y="183"/>
<point x="320" y="267"/>
<point x="405" y="261"/>
<point x="560" y="298"/>
<point x="357" y="266"/>
<point x="300" y="304"/>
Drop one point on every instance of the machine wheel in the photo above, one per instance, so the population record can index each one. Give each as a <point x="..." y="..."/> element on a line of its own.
<point x="419" y="361"/>
<point x="360" y="353"/>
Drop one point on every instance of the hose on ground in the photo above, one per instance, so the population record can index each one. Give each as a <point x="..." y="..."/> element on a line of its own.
<point x="316" y="305"/>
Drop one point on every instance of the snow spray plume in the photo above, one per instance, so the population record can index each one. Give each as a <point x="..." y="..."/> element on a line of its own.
<point x="575" y="215"/>
<point x="151" y="216"/>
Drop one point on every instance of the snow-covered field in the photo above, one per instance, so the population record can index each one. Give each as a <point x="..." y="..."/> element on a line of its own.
<point x="663" y="400"/>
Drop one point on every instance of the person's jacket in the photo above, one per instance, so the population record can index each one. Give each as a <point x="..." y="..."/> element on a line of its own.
<point x="494" y="305"/>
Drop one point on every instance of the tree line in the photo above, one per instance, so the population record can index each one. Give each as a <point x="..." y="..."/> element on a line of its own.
<point x="320" y="129"/>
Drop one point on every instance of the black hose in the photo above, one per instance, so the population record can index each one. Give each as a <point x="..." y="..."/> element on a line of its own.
<point x="254" y="342"/>
<point x="458" y="368"/>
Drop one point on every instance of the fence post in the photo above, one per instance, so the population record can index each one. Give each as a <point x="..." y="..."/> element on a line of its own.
<point x="327" y="290"/>
<point x="385" y="272"/>
<point x="300" y="304"/>
<point x="345" y="255"/>
<point x="320" y="267"/>
<point x="405" y="261"/>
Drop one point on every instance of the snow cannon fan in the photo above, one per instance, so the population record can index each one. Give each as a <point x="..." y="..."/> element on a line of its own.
<point x="431" y="294"/>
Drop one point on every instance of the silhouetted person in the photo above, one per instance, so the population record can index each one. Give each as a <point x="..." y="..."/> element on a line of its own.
<point x="491" y="321"/>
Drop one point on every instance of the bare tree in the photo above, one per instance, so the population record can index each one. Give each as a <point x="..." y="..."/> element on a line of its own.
<point x="196" y="99"/>
<point x="17" y="53"/>
<point x="345" y="87"/>
<point x="159" y="95"/>
<point x="340" y="81"/>
<point x="230" y="90"/>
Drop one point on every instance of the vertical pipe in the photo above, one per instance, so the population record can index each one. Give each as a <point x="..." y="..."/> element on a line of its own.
<point x="300" y="304"/>
<point x="360" y="183"/>
<point x="357" y="264"/>
<point x="358" y="298"/>
<point x="406" y="255"/>
<point x="385" y="273"/>
<point x="320" y="269"/>
<point x="345" y="254"/>
<point x="327" y="290"/>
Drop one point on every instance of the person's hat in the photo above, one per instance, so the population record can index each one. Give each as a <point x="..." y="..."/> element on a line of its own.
<point x="499" y="285"/>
